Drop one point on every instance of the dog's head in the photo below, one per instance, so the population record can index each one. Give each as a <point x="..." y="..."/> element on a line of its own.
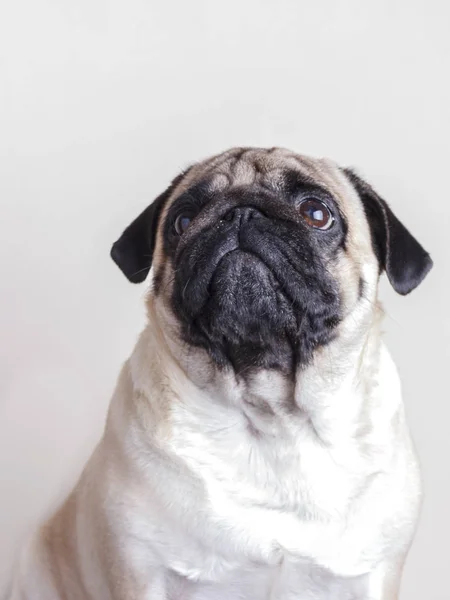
<point x="261" y="254"/>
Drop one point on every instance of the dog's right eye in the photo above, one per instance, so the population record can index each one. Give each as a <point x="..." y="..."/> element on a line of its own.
<point x="182" y="222"/>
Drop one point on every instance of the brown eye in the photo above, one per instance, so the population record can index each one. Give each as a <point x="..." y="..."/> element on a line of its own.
<point x="182" y="223"/>
<point x="316" y="214"/>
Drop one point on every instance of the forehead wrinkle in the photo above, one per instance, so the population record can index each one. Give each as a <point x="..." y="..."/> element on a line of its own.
<point x="263" y="165"/>
<point x="221" y="160"/>
<point x="232" y="170"/>
<point x="247" y="165"/>
<point x="311" y="168"/>
<point x="284" y="160"/>
<point x="202" y="169"/>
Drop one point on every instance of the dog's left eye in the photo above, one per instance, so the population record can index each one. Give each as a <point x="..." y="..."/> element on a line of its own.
<point x="182" y="222"/>
<point x="316" y="214"/>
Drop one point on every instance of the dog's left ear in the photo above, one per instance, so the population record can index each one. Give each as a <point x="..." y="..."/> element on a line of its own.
<point x="133" y="251"/>
<point x="402" y="257"/>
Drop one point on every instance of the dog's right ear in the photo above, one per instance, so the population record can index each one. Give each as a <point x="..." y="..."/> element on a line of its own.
<point x="133" y="251"/>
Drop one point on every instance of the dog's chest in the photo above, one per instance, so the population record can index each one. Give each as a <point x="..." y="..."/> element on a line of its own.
<point x="274" y="547"/>
<point x="288" y="581"/>
<point x="268" y="502"/>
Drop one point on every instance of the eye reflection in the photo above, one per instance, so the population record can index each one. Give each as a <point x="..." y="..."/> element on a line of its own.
<point x="182" y="222"/>
<point x="316" y="214"/>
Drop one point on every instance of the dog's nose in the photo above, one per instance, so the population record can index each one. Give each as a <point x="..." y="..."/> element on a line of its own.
<point x="242" y="214"/>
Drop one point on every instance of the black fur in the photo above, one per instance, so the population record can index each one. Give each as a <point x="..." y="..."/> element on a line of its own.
<point x="402" y="257"/>
<point x="251" y="282"/>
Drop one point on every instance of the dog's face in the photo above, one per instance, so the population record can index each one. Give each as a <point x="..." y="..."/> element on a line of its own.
<point x="261" y="254"/>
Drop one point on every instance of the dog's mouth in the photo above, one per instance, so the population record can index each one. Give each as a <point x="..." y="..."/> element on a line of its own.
<point x="252" y="293"/>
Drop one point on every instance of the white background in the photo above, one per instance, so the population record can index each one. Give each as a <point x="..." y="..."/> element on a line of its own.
<point x="102" y="102"/>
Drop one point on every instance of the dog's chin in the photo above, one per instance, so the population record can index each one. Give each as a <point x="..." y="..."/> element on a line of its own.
<point x="247" y="320"/>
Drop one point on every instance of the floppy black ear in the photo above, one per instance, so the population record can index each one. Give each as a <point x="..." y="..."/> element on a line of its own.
<point x="399" y="253"/>
<point x="133" y="251"/>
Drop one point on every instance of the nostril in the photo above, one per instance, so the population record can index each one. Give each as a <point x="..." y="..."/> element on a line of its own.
<point x="241" y="213"/>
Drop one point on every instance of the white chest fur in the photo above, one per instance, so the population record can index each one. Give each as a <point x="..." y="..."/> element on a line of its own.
<point x="253" y="484"/>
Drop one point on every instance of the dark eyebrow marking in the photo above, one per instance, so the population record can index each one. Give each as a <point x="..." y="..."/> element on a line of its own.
<point x="294" y="181"/>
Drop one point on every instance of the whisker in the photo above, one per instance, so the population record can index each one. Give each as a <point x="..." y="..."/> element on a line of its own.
<point x="140" y="270"/>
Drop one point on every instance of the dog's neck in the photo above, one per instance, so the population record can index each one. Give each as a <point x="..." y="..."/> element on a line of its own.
<point x="329" y="393"/>
<point x="255" y="438"/>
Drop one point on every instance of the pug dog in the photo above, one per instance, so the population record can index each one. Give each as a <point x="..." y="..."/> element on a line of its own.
<point x="256" y="446"/>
